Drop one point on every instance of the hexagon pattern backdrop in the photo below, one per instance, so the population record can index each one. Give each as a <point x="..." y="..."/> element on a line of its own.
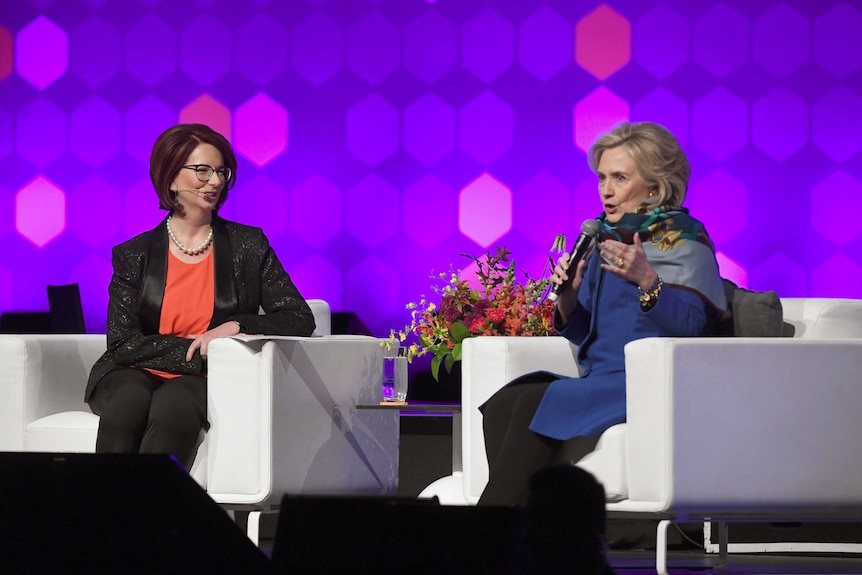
<point x="380" y="139"/>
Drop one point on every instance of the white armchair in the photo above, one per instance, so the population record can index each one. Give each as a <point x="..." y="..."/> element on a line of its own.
<point x="718" y="427"/>
<point x="282" y="409"/>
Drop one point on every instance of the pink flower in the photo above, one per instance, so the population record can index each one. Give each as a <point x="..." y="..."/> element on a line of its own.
<point x="501" y="306"/>
<point x="495" y="314"/>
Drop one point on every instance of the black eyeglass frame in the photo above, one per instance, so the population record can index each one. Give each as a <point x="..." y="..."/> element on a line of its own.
<point x="224" y="172"/>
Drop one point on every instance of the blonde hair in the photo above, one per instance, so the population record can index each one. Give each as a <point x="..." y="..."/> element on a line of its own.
<point x="656" y="153"/>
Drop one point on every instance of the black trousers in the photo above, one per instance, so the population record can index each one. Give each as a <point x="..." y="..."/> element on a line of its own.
<point x="515" y="452"/>
<point x="141" y="413"/>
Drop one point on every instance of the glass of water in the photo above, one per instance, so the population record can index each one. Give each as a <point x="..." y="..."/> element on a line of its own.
<point x="395" y="375"/>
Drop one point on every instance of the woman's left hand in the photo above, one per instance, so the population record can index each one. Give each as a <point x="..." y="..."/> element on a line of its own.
<point x="226" y="329"/>
<point x="628" y="262"/>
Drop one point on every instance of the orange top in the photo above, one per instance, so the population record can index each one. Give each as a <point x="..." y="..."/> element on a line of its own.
<point x="187" y="308"/>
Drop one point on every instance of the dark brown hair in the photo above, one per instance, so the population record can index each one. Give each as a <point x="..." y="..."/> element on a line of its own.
<point x="172" y="149"/>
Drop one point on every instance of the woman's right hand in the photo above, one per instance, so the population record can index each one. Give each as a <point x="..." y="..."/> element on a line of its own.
<point x="571" y="282"/>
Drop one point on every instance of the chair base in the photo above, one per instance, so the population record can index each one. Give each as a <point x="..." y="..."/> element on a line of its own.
<point x="449" y="490"/>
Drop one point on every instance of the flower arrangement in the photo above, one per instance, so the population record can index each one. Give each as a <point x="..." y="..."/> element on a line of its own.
<point x="502" y="306"/>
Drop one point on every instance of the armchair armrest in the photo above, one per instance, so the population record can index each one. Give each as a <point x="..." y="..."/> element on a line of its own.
<point x="744" y="424"/>
<point x="488" y="364"/>
<point x="284" y="419"/>
<point x="42" y="375"/>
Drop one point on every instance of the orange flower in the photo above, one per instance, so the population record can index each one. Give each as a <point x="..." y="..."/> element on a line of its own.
<point x="503" y="306"/>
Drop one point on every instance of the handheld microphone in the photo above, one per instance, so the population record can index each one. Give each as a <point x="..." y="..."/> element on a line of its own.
<point x="589" y="230"/>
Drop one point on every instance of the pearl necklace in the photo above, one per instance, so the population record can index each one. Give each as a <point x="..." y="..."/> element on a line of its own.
<point x="190" y="251"/>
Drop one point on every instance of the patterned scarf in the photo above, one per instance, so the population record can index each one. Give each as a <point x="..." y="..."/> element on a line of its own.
<point x="676" y="245"/>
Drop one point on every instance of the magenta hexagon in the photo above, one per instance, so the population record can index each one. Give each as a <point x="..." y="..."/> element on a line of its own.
<point x="261" y="49"/>
<point x="218" y="49"/>
<point x="532" y="216"/>
<point x="95" y="191"/>
<point x="40" y="211"/>
<point x="545" y="43"/>
<point x="373" y="290"/>
<point x="823" y="199"/>
<point x="836" y="40"/>
<point x="712" y="50"/>
<point x="316" y="211"/>
<point x="836" y="124"/>
<point x="486" y="127"/>
<point x="261" y="129"/>
<point x="781" y="274"/>
<point x="151" y="50"/>
<point x="317" y="48"/>
<point x="664" y="107"/>
<point x="317" y="278"/>
<point x="662" y="40"/>
<point x="708" y="200"/>
<point x="7" y="52"/>
<point x="430" y="46"/>
<point x="144" y="122"/>
<point x="372" y="130"/>
<point x="838" y="277"/>
<point x="429" y="129"/>
<point x="596" y="113"/>
<point x="207" y="110"/>
<point x="95" y="129"/>
<point x="487" y="45"/>
<point x="373" y="211"/>
<point x="373" y="47"/>
<point x="485" y="210"/>
<point x="96" y="51"/>
<point x="779" y="123"/>
<point x="603" y="42"/>
<point x="782" y="40"/>
<point x="731" y="269"/>
<point x="41" y="52"/>
<point x="40" y="136"/>
<point x="720" y="139"/>
<point x="428" y="192"/>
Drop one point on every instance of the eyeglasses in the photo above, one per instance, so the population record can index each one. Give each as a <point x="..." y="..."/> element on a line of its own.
<point x="205" y="172"/>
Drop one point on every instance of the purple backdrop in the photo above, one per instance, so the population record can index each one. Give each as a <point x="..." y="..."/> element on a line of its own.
<point x="378" y="140"/>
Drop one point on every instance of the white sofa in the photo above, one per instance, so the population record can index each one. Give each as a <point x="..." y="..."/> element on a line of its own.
<point x="716" y="427"/>
<point x="282" y="409"/>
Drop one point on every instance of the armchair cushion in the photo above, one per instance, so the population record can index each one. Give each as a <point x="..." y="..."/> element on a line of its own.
<point x="66" y="432"/>
<point x="752" y="313"/>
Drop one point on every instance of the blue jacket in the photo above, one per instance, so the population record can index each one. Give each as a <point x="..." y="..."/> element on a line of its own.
<point x="608" y="317"/>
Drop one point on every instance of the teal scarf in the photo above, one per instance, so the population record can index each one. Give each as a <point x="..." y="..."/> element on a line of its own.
<point x="677" y="247"/>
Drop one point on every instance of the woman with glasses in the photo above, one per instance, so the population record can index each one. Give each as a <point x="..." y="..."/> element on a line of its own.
<point x="175" y="288"/>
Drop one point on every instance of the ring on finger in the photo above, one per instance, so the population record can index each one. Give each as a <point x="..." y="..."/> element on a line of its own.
<point x="620" y="262"/>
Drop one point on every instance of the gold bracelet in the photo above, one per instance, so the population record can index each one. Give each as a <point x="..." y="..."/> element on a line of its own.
<point x="649" y="296"/>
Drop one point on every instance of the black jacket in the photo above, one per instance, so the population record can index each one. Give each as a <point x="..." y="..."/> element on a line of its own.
<point x="248" y="275"/>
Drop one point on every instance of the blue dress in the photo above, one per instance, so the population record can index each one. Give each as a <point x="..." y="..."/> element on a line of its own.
<point x="607" y="318"/>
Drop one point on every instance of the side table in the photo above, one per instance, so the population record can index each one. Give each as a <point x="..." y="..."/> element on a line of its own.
<point x="429" y="408"/>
